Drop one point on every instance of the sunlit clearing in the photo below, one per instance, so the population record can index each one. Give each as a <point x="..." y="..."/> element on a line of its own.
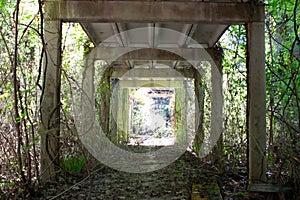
<point x="152" y="116"/>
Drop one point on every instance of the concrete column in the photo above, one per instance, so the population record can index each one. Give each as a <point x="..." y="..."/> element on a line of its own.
<point x="217" y="103"/>
<point x="105" y="102"/>
<point x="177" y="113"/>
<point x="199" y="95"/>
<point x="180" y="114"/>
<point x="256" y="101"/>
<point x="184" y="117"/>
<point x="50" y="103"/>
<point x="123" y="115"/>
<point x="114" y="110"/>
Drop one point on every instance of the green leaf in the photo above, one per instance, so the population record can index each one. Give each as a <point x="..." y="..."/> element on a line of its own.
<point x="5" y="95"/>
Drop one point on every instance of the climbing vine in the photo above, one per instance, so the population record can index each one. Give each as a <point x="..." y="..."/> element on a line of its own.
<point x="21" y="56"/>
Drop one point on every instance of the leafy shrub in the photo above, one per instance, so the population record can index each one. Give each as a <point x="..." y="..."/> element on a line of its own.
<point x="74" y="165"/>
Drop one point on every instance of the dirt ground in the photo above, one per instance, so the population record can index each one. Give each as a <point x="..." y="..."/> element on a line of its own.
<point x="172" y="182"/>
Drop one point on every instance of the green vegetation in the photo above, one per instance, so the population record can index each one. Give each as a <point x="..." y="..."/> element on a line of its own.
<point x="21" y="90"/>
<point x="74" y="165"/>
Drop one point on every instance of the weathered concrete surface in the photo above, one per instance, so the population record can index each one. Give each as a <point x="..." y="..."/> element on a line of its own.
<point x="256" y="101"/>
<point x="200" y="96"/>
<point x="180" y="114"/>
<point x="167" y="54"/>
<point x="218" y="102"/>
<point x="151" y="83"/>
<point x="155" y="11"/>
<point x="123" y="115"/>
<point x="120" y="70"/>
<point x="50" y="104"/>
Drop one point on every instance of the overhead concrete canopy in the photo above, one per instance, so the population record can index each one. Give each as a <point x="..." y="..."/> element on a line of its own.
<point x="204" y="21"/>
<point x="205" y="33"/>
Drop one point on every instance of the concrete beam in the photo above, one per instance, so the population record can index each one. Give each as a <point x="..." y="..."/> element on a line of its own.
<point x="156" y="72"/>
<point x="116" y="32"/>
<point x="155" y="11"/>
<point x="163" y="54"/>
<point x="151" y="83"/>
<point x="188" y="31"/>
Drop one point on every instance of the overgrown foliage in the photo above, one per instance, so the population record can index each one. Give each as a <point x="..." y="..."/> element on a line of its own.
<point x="235" y="92"/>
<point x="283" y="82"/>
<point x="283" y="86"/>
<point x="21" y="55"/>
<point x="20" y="48"/>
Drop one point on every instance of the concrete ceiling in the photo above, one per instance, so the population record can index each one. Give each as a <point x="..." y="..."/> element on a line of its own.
<point x="206" y="34"/>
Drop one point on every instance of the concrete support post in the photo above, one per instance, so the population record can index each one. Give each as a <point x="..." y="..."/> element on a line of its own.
<point x="180" y="114"/>
<point x="123" y="114"/>
<point x="177" y="114"/>
<point x="50" y="103"/>
<point x="217" y="101"/>
<point x="184" y="117"/>
<point x="256" y="101"/>
<point x="199" y="95"/>
<point x="113" y="110"/>
<point x="105" y="102"/>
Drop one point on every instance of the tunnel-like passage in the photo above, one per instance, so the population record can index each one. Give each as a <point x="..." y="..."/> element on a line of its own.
<point x="146" y="109"/>
<point x="205" y="22"/>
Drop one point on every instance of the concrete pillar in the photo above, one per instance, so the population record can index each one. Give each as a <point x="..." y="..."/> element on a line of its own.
<point x="177" y="113"/>
<point x="184" y="117"/>
<point x="114" y="110"/>
<point x="199" y="95"/>
<point x="256" y="101"/>
<point x="50" y="102"/>
<point x="123" y="115"/>
<point x="105" y="102"/>
<point x="217" y="101"/>
<point x="180" y="114"/>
